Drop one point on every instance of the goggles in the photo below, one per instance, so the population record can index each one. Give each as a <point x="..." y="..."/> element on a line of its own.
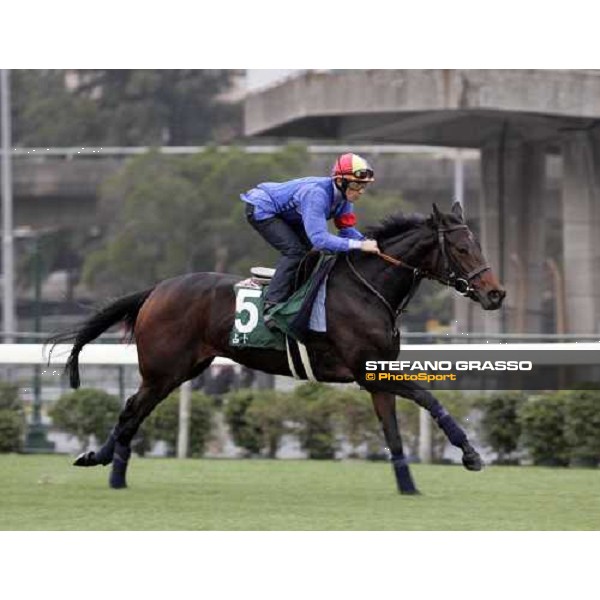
<point x="357" y="185"/>
<point x="363" y="174"/>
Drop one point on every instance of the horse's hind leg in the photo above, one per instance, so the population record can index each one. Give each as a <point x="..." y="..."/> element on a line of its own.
<point x="102" y="457"/>
<point x="117" y="447"/>
<point x="385" y="408"/>
<point x="106" y="453"/>
<point x="456" y="435"/>
<point x="137" y="408"/>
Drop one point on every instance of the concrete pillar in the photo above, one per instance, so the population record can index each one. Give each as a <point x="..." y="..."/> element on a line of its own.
<point x="512" y="224"/>
<point x="526" y="236"/>
<point x="460" y="324"/>
<point x="581" y="230"/>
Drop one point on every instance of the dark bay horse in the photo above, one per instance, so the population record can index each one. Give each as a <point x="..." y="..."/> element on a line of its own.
<point x="181" y="324"/>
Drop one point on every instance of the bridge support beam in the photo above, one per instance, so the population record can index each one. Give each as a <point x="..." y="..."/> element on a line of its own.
<point x="581" y="230"/>
<point x="512" y="227"/>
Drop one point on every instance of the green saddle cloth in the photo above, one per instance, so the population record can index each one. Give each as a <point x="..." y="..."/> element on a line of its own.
<point x="249" y="330"/>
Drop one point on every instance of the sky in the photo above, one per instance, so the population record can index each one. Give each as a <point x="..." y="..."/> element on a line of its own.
<point x="258" y="78"/>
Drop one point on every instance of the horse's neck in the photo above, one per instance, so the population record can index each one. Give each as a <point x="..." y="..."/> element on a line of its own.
<point x="393" y="282"/>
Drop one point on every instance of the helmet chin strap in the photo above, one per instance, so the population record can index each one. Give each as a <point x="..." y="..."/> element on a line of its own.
<point x="343" y="186"/>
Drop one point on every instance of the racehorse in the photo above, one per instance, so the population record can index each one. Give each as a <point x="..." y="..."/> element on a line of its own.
<point x="181" y="324"/>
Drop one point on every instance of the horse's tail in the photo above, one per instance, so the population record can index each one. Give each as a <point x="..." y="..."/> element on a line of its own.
<point x="123" y="310"/>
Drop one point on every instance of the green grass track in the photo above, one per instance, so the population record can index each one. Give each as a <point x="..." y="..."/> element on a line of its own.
<point x="47" y="493"/>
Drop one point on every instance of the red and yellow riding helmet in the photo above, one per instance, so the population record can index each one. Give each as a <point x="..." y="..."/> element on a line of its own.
<point x="353" y="167"/>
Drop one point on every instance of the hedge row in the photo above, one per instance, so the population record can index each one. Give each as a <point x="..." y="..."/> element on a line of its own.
<point x="559" y="428"/>
<point x="88" y="413"/>
<point x="325" y="418"/>
<point x="12" y="419"/>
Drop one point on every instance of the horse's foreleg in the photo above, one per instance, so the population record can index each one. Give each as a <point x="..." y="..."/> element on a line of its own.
<point x="453" y="431"/>
<point x="385" y="409"/>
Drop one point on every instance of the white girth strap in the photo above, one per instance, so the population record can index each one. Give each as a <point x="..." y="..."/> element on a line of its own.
<point x="290" y="359"/>
<point x="303" y="365"/>
<point x="306" y="362"/>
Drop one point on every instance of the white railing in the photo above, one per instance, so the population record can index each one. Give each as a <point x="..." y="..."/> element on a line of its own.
<point x="115" y="151"/>
<point x="124" y="354"/>
<point x="92" y="354"/>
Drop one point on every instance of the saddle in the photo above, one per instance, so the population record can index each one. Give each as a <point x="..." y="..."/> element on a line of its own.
<point x="292" y="317"/>
<point x="263" y="275"/>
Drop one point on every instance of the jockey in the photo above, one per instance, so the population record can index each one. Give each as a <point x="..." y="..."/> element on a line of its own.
<point x="292" y="217"/>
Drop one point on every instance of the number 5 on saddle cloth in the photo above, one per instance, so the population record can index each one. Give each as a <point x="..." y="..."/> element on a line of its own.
<point x="293" y="317"/>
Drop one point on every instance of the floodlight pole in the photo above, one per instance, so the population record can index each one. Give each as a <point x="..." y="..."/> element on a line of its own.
<point x="8" y="265"/>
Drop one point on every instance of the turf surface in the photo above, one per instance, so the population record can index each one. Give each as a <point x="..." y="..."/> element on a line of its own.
<point x="47" y="493"/>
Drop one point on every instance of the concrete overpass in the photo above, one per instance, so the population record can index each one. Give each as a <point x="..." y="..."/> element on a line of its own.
<point x="515" y="118"/>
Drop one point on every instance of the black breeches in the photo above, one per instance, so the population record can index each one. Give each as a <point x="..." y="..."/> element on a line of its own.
<point x="291" y="241"/>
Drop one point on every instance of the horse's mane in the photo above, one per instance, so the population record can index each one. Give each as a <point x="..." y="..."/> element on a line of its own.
<point x="394" y="225"/>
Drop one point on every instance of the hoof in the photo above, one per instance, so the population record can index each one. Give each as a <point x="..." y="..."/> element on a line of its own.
<point x="411" y="492"/>
<point x="117" y="480"/>
<point x="118" y="485"/>
<point x="471" y="459"/>
<point x="86" y="459"/>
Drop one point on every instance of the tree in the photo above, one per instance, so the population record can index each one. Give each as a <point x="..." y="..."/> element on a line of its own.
<point x="12" y="418"/>
<point x="164" y="216"/>
<point x="542" y="421"/>
<point x="163" y="424"/>
<point x="500" y="424"/>
<point x="269" y="415"/>
<point x="45" y="112"/>
<point x="245" y="434"/>
<point x="86" y="412"/>
<point x="314" y="408"/>
<point x="582" y="426"/>
<point x="162" y="107"/>
<point x="356" y="421"/>
<point x="123" y="107"/>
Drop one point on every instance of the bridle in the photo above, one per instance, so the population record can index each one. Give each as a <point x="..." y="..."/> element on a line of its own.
<point x="449" y="277"/>
<point x="462" y="284"/>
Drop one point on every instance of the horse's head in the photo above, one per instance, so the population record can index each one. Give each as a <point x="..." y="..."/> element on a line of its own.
<point x="457" y="259"/>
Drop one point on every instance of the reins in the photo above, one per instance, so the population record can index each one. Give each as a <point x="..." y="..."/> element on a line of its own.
<point x="395" y="261"/>
<point x="449" y="278"/>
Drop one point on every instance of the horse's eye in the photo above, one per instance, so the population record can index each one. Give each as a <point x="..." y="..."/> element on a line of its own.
<point x="464" y="250"/>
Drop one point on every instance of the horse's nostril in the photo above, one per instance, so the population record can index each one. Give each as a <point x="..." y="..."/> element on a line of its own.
<point x="496" y="295"/>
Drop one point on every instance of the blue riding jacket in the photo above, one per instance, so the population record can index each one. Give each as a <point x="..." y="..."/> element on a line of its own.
<point x="311" y="201"/>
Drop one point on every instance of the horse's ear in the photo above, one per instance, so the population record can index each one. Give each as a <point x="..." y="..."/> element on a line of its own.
<point x="457" y="210"/>
<point x="437" y="215"/>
